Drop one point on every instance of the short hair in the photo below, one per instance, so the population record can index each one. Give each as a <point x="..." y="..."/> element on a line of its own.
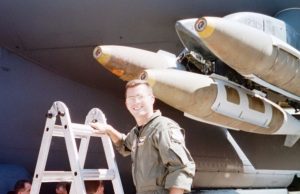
<point x="92" y="186"/>
<point x="20" y="184"/>
<point x="136" y="82"/>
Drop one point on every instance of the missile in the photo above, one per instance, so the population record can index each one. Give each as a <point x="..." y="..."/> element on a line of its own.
<point x="128" y="63"/>
<point x="220" y="102"/>
<point x="253" y="53"/>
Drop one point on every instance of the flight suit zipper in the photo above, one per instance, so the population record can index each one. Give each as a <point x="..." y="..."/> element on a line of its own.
<point x="135" y="157"/>
<point x="138" y="134"/>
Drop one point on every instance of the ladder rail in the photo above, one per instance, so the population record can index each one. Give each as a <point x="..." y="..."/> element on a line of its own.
<point x="112" y="164"/>
<point x="72" y="151"/>
<point x="84" y="143"/>
<point x="97" y="115"/>
<point x="43" y="155"/>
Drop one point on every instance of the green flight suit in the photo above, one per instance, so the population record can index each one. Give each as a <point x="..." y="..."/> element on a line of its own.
<point x="160" y="159"/>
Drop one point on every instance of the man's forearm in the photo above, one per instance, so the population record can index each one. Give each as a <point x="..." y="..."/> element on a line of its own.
<point x="114" y="135"/>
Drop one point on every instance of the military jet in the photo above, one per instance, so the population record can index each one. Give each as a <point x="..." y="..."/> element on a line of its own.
<point x="46" y="56"/>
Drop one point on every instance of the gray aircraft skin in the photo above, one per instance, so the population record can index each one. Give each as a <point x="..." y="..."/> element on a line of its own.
<point x="46" y="55"/>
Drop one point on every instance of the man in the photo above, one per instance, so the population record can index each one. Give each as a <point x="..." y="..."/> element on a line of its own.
<point x="94" y="187"/>
<point x="61" y="188"/>
<point x="22" y="187"/>
<point x="161" y="162"/>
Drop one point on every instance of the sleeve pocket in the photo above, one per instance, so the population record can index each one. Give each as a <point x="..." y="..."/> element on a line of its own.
<point x="179" y="154"/>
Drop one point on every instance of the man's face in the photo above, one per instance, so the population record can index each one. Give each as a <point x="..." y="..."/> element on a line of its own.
<point x="139" y="101"/>
<point x="26" y="190"/>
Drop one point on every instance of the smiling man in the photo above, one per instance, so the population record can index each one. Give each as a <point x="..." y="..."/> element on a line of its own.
<point x="161" y="163"/>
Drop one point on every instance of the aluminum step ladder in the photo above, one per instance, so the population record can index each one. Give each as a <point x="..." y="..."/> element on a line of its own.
<point x="70" y="131"/>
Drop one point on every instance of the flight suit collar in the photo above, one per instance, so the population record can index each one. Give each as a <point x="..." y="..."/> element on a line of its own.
<point x="156" y="113"/>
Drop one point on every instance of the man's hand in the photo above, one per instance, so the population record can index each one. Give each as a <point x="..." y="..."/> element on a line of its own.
<point x="101" y="128"/>
<point x="106" y="129"/>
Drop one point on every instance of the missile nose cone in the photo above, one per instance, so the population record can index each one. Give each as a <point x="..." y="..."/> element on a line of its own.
<point x="101" y="56"/>
<point x="97" y="52"/>
<point x="200" y="24"/>
<point x="205" y="26"/>
<point x="128" y="63"/>
<point x="144" y="76"/>
<point x="148" y="76"/>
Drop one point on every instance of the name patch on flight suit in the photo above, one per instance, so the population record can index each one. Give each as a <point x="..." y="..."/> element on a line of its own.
<point x="139" y="142"/>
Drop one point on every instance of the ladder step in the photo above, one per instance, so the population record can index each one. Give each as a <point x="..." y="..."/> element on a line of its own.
<point x="88" y="174"/>
<point x="79" y="131"/>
